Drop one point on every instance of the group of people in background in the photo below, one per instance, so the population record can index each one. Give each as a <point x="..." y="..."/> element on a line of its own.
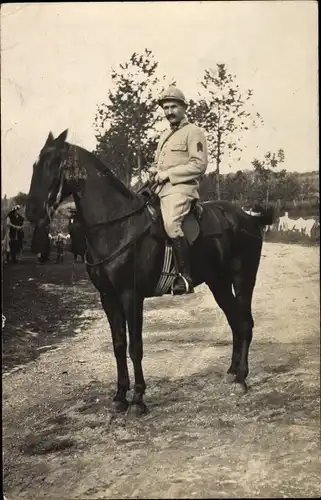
<point x="42" y="240"/>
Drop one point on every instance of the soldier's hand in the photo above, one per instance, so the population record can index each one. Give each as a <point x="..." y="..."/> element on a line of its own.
<point x="152" y="172"/>
<point x="161" y="177"/>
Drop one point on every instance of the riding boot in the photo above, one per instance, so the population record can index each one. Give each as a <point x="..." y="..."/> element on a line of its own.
<point x="183" y="283"/>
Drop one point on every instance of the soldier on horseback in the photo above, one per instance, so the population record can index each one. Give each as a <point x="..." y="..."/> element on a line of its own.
<point x="180" y="160"/>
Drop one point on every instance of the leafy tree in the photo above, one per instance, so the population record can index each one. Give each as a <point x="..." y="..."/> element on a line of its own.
<point x="278" y="186"/>
<point x="264" y="170"/>
<point x="224" y="112"/>
<point x="125" y="124"/>
<point x="291" y="188"/>
<point x="240" y="184"/>
<point x="208" y="186"/>
<point x="113" y="150"/>
<point x="227" y="187"/>
<point x="20" y="198"/>
<point x="307" y="190"/>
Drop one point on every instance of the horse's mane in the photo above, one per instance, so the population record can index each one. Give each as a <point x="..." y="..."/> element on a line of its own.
<point x="105" y="170"/>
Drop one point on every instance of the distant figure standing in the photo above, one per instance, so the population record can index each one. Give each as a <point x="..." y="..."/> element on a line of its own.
<point x="40" y="244"/>
<point x="6" y="246"/>
<point x="60" y="248"/>
<point x="14" y="234"/>
<point x="77" y="239"/>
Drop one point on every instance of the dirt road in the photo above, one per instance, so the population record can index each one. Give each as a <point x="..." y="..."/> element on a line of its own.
<point x="200" y="439"/>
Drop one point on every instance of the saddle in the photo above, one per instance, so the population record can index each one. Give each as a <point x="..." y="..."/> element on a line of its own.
<point x="205" y="220"/>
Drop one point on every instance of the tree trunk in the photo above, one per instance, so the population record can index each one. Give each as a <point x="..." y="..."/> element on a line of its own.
<point x="128" y="172"/>
<point x="139" y="162"/>
<point x="218" y="161"/>
<point x="218" y="194"/>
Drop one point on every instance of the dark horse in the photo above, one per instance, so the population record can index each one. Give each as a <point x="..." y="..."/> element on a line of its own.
<point x="125" y="254"/>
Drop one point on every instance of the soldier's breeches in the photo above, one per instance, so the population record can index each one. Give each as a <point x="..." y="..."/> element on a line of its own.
<point x="174" y="208"/>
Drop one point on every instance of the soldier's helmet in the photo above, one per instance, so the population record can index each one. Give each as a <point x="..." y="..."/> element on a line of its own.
<point x="172" y="94"/>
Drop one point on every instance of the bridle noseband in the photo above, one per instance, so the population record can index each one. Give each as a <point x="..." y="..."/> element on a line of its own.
<point x="51" y="207"/>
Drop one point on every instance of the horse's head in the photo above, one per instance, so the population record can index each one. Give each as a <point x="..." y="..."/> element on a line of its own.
<point x="47" y="183"/>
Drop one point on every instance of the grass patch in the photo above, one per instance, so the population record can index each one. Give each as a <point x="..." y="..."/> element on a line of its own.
<point x="292" y="237"/>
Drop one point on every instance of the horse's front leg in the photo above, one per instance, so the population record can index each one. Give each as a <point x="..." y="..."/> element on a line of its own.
<point x="133" y="307"/>
<point x="117" y="322"/>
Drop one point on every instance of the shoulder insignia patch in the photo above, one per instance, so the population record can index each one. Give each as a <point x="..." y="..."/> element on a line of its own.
<point x="199" y="146"/>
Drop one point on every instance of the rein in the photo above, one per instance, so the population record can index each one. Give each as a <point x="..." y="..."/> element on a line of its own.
<point x="121" y="218"/>
<point x="119" y="251"/>
<point x="51" y="208"/>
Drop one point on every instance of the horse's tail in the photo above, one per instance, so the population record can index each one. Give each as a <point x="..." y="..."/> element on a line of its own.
<point x="266" y="216"/>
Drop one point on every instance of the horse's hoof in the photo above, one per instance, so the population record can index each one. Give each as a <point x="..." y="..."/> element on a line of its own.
<point x="137" y="410"/>
<point x="120" y="406"/>
<point x="239" y="387"/>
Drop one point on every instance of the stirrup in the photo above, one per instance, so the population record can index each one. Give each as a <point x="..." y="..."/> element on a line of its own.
<point x="188" y="287"/>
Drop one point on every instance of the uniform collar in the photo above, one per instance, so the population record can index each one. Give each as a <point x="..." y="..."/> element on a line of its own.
<point x="181" y="124"/>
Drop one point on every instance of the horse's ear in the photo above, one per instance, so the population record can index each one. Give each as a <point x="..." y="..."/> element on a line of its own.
<point x="50" y="139"/>
<point x="60" y="141"/>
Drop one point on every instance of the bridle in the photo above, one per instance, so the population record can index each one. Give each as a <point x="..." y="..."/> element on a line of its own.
<point x="51" y="208"/>
<point x="151" y="187"/>
<point x="133" y="241"/>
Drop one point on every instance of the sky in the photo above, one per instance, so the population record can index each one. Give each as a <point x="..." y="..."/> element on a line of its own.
<point x="56" y="61"/>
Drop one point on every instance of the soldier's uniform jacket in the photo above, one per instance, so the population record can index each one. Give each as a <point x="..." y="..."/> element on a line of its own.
<point x="183" y="152"/>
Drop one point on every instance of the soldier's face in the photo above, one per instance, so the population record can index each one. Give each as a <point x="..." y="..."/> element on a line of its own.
<point x="174" y="111"/>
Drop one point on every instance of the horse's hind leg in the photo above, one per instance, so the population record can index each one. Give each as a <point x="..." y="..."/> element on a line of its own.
<point x="244" y="277"/>
<point x="238" y="309"/>
<point x="117" y="322"/>
<point x="222" y="292"/>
